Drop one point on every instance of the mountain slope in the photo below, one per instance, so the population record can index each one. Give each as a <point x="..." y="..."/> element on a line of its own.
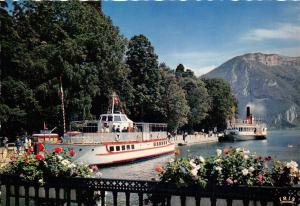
<point x="270" y="82"/>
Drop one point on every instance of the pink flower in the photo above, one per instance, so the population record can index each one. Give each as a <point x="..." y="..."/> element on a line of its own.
<point x="39" y="157"/>
<point x="72" y="152"/>
<point x="229" y="181"/>
<point x="94" y="168"/>
<point x="159" y="169"/>
<point x="260" y="178"/>
<point x="58" y="149"/>
<point x="41" y="147"/>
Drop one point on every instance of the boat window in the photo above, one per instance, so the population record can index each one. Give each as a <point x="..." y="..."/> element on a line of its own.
<point x="117" y="119"/>
<point x="128" y="147"/>
<point x="123" y="147"/>
<point x="132" y="146"/>
<point x="110" y="118"/>
<point x="154" y="144"/>
<point x="111" y="148"/>
<point x="104" y="118"/>
<point x="123" y="117"/>
<point x="117" y="148"/>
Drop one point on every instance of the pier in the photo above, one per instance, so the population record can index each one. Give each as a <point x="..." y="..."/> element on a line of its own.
<point x="198" y="138"/>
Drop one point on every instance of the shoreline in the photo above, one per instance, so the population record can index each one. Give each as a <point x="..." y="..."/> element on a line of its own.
<point x="195" y="139"/>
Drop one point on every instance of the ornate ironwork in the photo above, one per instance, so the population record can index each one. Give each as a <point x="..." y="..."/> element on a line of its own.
<point x="91" y="190"/>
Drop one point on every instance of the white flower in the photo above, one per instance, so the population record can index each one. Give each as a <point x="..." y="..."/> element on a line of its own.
<point x="59" y="157"/>
<point x="65" y="162"/>
<point x="72" y="165"/>
<point x="41" y="181"/>
<point x="246" y="151"/>
<point x="246" y="157"/>
<point x="218" y="168"/>
<point x="245" y="172"/>
<point x="192" y="163"/>
<point x="194" y="172"/>
<point x="251" y="169"/>
<point x="98" y="174"/>
<point x="292" y="164"/>
<point x="202" y="159"/>
<point x="217" y="160"/>
<point x="219" y="152"/>
<point x="238" y="149"/>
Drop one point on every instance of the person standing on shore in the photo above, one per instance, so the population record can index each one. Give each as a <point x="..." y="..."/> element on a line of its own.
<point x="5" y="142"/>
<point x="18" y="145"/>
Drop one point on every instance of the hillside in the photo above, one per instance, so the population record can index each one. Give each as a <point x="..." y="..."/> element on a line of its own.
<point x="269" y="82"/>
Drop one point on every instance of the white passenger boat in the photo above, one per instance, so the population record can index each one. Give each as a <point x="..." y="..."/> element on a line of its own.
<point x="248" y="129"/>
<point x="114" y="138"/>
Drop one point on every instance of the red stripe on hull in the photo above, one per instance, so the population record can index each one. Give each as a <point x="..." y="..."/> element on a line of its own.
<point x="132" y="159"/>
<point x="136" y="150"/>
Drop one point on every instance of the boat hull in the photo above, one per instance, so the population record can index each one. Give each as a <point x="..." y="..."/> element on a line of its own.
<point x="116" y="152"/>
<point x="239" y="137"/>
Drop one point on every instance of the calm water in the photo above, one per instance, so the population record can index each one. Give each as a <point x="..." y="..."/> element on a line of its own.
<point x="282" y="145"/>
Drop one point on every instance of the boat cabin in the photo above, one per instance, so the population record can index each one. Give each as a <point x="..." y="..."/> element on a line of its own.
<point x="46" y="136"/>
<point x="116" y="122"/>
<point x="107" y="123"/>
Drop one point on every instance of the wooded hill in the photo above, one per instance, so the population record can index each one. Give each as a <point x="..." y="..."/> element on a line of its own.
<point x="42" y="42"/>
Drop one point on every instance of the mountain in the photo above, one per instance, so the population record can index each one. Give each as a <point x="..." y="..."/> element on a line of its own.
<point x="269" y="83"/>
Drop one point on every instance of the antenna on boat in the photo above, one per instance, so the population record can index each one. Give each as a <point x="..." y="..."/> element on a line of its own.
<point x="62" y="104"/>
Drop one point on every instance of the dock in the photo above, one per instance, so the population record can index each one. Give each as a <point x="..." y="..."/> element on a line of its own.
<point x="201" y="138"/>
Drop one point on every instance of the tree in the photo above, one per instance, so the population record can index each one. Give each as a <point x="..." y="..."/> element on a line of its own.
<point x="144" y="77"/>
<point x="198" y="100"/>
<point x="179" y="70"/>
<point x="173" y="100"/>
<point x="72" y="40"/>
<point x="223" y="105"/>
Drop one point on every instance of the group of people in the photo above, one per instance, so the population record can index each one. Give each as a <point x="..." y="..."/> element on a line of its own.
<point x="118" y="129"/>
<point x="21" y="144"/>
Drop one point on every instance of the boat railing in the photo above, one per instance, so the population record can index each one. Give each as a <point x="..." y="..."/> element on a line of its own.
<point x="93" y="126"/>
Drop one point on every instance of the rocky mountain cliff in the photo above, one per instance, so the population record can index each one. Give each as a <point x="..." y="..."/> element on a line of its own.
<point x="269" y="83"/>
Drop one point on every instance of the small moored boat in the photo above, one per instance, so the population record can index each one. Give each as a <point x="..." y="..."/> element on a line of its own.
<point x="249" y="129"/>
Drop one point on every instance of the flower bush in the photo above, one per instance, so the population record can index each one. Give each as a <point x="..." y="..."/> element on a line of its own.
<point x="41" y="167"/>
<point x="230" y="167"/>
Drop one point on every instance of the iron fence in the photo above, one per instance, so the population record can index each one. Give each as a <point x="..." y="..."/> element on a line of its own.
<point x="102" y="191"/>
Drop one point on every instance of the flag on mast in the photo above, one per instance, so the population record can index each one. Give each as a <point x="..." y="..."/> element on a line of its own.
<point x="45" y="126"/>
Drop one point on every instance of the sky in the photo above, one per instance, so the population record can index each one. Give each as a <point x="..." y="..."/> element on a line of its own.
<point x="203" y="35"/>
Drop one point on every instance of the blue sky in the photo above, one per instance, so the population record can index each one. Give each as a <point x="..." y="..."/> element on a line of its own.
<point x="203" y="35"/>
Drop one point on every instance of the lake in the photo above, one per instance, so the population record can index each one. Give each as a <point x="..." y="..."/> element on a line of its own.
<point x="281" y="144"/>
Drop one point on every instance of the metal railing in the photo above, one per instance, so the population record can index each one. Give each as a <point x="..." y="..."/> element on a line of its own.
<point x="94" y="191"/>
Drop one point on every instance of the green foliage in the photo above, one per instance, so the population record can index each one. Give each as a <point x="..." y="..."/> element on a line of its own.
<point x="198" y="99"/>
<point x="223" y="103"/>
<point x="48" y="40"/>
<point x="144" y="77"/>
<point x="173" y="100"/>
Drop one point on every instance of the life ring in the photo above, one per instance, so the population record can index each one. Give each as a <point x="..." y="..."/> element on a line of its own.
<point x="117" y="138"/>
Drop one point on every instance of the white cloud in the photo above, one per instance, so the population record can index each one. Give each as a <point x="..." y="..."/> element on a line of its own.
<point x="202" y="70"/>
<point x="283" y="31"/>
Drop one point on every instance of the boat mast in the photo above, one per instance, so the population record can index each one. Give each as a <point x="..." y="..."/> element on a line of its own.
<point x="62" y="104"/>
<point x="113" y="103"/>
